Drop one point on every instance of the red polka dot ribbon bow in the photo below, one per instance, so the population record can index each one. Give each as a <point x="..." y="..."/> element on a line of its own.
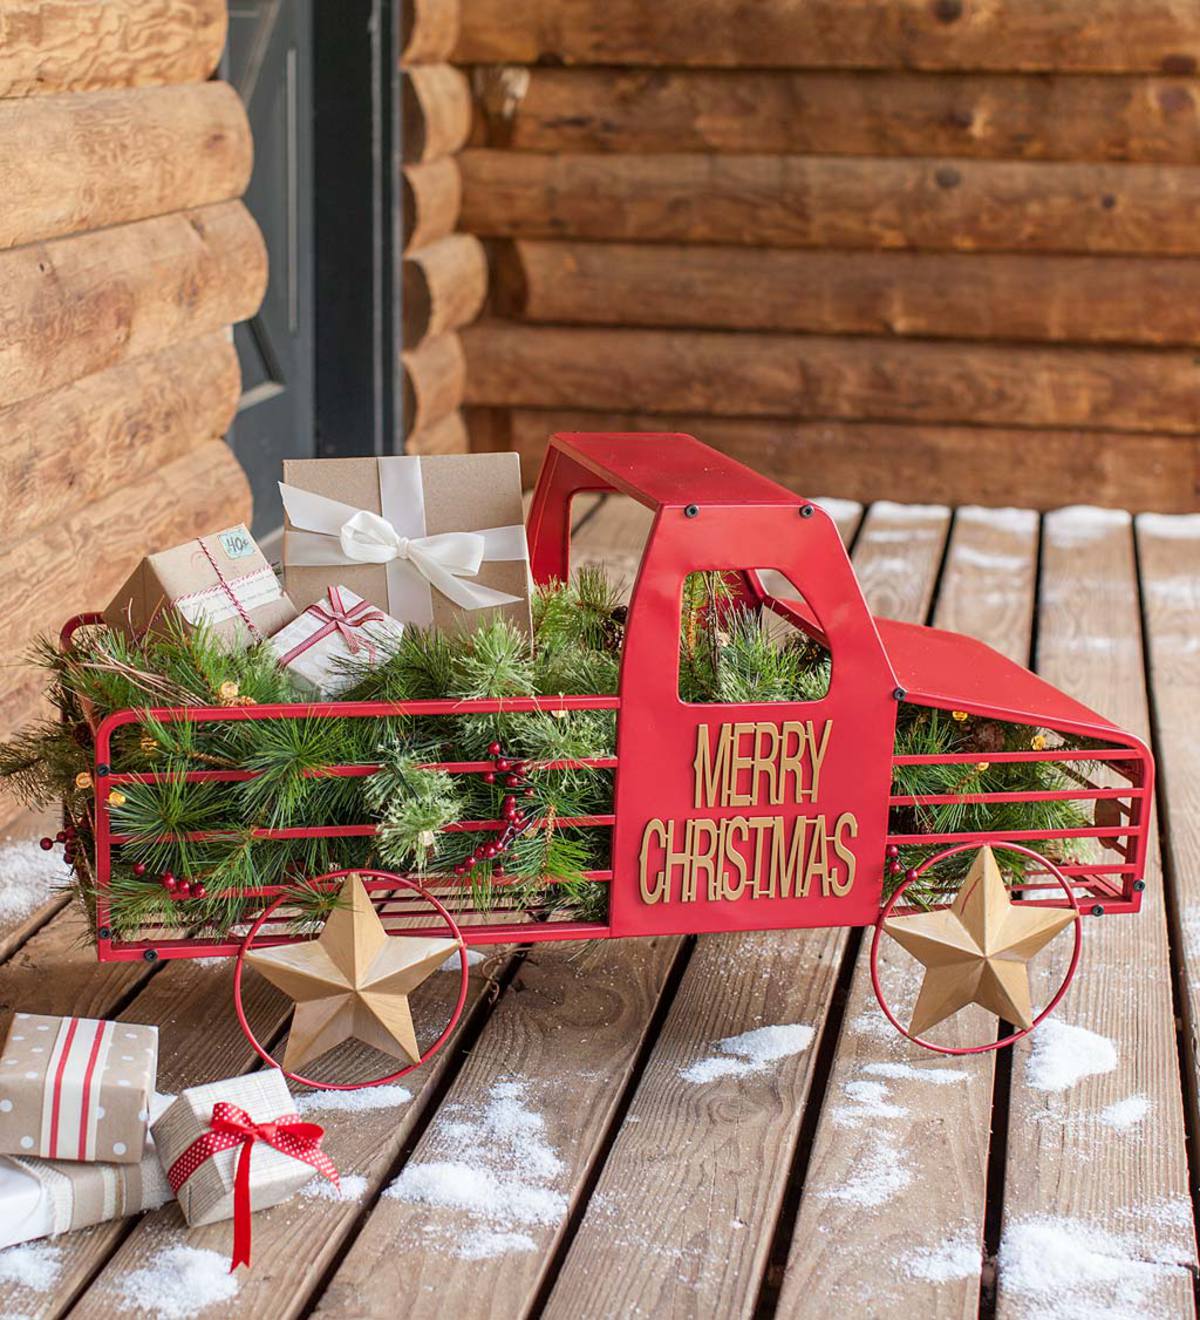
<point x="232" y="1126"/>
<point x="335" y="617"/>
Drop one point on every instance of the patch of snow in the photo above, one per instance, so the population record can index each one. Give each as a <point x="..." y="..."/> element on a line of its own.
<point x="935" y="1075"/>
<point x="484" y="1243"/>
<point x="28" y="877"/>
<point x="956" y="1258"/>
<point x="906" y="535"/>
<point x="353" y="1188"/>
<point x="454" y="962"/>
<point x="1081" y="524"/>
<point x="994" y="562"/>
<point x="751" y="1052"/>
<point x="869" y="1101"/>
<point x="838" y="508"/>
<point x="1127" y="1113"/>
<point x="499" y="1170"/>
<point x="877" y="1175"/>
<point x="1008" y="519"/>
<point x="32" y="1265"/>
<point x="1063" y="1055"/>
<point x="180" y="1281"/>
<point x="1064" y="1269"/>
<point x="457" y="1185"/>
<point x="907" y="512"/>
<point x="352" y="1102"/>
<point x="1181" y="525"/>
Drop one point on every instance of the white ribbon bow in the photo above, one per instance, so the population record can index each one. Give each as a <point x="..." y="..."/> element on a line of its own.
<point x="326" y="532"/>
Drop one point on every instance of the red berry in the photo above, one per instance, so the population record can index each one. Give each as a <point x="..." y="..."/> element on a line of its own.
<point x="494" y="749"/>
<point x="168" y="882"/>
<point x="911" y="873"/>
<point x="45" y="844"/>
<point x="509" y="805"/>
<point x="893" y="850"/>
<point x="139" y="868"/>
<point x="497" y="869"/>
<point x="529" y="792"/>
<point x="70" y="831"/>
<point x="894" y="867"/>
<point x="60" y="837"/>
<point x="460" y="868"/>
<point x="68" y="856"/>
<point x="489" y="777"/>
<point x="519" y="767"/>
<point x="503" y="764"/>
<point x="490" y="851"/>
<point x="198" y="891"/>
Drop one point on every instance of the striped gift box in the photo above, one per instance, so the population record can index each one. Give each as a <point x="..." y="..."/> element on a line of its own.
<point x="207" y="1195"/>
<point x="76" y="1089"/>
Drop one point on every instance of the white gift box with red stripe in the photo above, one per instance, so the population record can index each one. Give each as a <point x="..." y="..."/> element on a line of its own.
<point x="76" y="1089"/>
<point x="327" y="646"/>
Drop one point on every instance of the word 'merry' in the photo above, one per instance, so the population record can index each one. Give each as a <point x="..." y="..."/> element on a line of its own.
<point x="757" y="765"/>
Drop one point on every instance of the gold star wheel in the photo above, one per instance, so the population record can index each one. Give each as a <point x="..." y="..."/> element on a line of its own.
<point x="977" y="950"/>
<point x="352" y="982"/>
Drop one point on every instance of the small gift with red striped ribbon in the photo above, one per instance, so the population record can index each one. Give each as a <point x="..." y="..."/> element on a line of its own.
<point x="334" y="640"/>
<point x="76" y="1089"/>
<point x="237" y="1146"/>
<point x="221" y="582"/>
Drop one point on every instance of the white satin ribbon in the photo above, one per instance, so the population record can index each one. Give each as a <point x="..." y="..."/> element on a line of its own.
<point x="325" y="533"/>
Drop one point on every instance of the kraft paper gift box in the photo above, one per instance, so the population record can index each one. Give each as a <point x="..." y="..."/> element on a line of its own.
<point x="341" y="626"/>
<point x="42" y="1198"/>
<point x="208" y="1194"/>
<point x="222" y="580"/>
<point x="75" y="1088"/>
<point x="435" y="541"/>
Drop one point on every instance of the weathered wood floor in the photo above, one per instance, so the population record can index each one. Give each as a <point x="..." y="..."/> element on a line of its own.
<point x="855" y="1177"/>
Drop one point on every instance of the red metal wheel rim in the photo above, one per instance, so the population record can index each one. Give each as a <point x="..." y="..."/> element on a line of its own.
<point x="1045" y="1013"/>
<point x="381" y="880"/>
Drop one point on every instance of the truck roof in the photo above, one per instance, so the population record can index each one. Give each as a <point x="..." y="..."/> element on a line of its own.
<point x="670" y="469"/>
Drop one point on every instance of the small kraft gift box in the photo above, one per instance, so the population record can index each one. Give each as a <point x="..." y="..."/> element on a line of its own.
<point x="222" y="581"/>
<point x="315" y="646"/>
<point x="76" y="1089"/>
<point x="236" y="1146"/>
<point x="42" y="1198"/>
<point x="434" y="541"/>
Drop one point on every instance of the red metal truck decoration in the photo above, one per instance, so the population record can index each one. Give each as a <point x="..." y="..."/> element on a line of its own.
<point x="735" y="817"/>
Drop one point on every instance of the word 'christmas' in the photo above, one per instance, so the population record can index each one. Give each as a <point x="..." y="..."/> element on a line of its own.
<point x="753" y="855"/>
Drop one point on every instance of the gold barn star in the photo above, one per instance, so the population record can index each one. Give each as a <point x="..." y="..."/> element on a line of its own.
<point x="977" y="950"/>
<point x="353" y="981"/>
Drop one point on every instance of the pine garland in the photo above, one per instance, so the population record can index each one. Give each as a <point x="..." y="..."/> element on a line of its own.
<point x="728" y="653"/>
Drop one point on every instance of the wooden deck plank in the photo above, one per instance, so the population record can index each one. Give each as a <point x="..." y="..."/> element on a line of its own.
<point x="682" y="1217"/>
<point x="1069" y="1167"/>
<point x="1169" y="562"/>
<point x="560" y="1045"/>
<point x="899" y="1159"/>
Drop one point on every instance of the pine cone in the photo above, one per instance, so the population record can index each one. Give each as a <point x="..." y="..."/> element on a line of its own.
<point x="990" y="736"/>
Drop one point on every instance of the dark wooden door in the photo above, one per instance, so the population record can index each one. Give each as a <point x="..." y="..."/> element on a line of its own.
<point x="269" y="61"/>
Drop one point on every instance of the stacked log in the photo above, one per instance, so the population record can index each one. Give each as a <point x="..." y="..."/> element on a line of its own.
<point x="949" y="230"/>
<point x="125" y="255"/>
<point x="444" y="274"/>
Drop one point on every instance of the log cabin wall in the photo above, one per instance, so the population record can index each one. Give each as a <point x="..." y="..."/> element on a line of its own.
<point x="125" y="256"/>
<point x="930" y="249"/>
<point x="444" y="273"/>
